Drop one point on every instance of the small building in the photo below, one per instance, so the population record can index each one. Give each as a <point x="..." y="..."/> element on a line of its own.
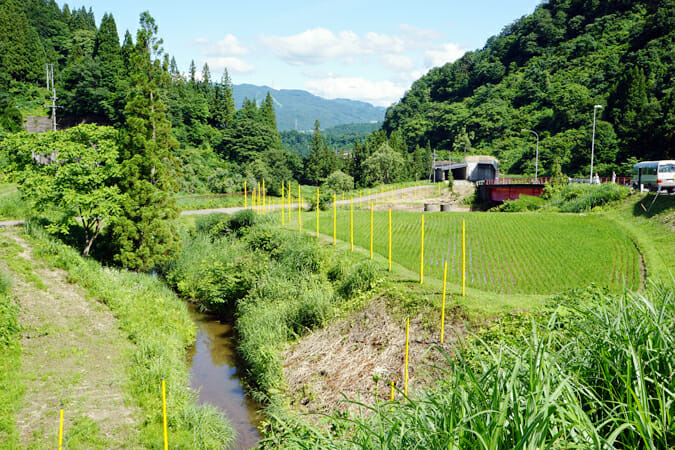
<point x="474" y="168"/>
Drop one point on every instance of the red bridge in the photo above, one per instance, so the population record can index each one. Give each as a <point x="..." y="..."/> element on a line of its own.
<point x="501" y="189"/>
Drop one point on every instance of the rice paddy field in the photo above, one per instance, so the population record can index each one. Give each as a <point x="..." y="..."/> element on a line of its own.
<point x="505" y="253"/>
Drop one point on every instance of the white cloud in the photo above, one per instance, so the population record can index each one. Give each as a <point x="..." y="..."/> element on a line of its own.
<point x="397" y="63"/>
<point x="411" y="33"/>
<point x="379" y="93"/>
<point x="446" y="53"/>
<point x="228" y="46"/>
<point x="232" y="64"/>
<point x="318" y="45"/>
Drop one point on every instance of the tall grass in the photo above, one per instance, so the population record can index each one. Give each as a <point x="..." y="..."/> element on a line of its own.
<point x="157" y="322"/>
<point x="13" y="206"/>
<point x="11" y="388"/>
<point x="594" y="379"/>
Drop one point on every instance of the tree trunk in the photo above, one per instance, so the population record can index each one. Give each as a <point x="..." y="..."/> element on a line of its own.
<point x="87" y="248"/>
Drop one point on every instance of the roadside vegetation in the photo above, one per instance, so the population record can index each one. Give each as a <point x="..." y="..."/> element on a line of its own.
<point x="11" y="388"/>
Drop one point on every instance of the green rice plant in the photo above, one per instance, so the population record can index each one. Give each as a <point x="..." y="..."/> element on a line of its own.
<point x="158" y="323"/>
<point x="505" y="253"/>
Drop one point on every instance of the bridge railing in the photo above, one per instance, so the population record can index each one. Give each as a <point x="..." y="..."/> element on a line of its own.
<point x="519" y="180"/>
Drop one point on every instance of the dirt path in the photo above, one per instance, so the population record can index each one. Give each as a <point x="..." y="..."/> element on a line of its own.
<point x="72" y="353"/>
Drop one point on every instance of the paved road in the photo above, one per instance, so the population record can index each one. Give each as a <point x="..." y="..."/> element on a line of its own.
<point x="234" y="209"/>
<point x="376" y="196"/>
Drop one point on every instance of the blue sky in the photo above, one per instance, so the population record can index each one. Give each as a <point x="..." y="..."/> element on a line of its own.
<point x="357" y="49"/>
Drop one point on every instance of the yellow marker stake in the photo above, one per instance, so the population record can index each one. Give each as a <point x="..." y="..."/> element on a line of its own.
<point x="244" y="194"/>
<point x="445" y="273"/>
<point x="61" y="428"/>
<point x="422" y="253"/>
<point x="283" y="202"/>
<point x="166" y="437"/>
<point x="334" y="220"/>
<point x="360" y="196"/>
<point x="351" y="223"/>
<point x="463" y="257"/>
<point x="299" y="209"/>
<point x="407" y="340"/>
<point x="317" y="213"/>
<point x="264" y="194"/>
<point x="392" y="391"/>
<point x="371" y="230"/>
<point x="389" y="239"/>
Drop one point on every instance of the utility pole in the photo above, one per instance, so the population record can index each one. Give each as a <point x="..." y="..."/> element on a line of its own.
<point x="50" y="85"/>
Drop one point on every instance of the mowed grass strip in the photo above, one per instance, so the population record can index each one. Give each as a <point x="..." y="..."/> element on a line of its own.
<point x="505" y="253"/>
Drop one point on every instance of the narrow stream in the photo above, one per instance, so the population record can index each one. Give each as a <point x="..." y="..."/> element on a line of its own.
<point x="214" y="374"/>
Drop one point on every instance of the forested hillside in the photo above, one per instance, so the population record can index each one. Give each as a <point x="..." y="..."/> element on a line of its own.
<point x="546" y="72"/>
<point x="297" y="109"/>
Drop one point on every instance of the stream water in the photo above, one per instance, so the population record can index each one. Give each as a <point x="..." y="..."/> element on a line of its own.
<point x="215" y="375"/>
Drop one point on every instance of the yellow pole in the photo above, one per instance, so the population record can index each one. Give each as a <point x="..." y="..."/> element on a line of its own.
<point x="422" y="253"/>
<point x="244" y="194"/>
<point x="317" y="212"/>
<point x="463" y="257"/>
<point x="283" y="202"/>
<point x="392" y="391"/>
<point x="445" y="273"/>
<point x="371" y="230"/>
<point x="334" y="220"/>
<point x="351" y="222"/>
<point x="166" y="438"/>
<point x="389" y="239"/>
<point x="264" y="194"/>
<point x="299" y="208"/>
<point x="61" y="427"/>
<point x="407" y="340"/>
<point x="360" y="197"/>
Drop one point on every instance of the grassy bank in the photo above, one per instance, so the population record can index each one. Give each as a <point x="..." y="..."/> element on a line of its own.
<point x="277" y="283"/>
<point x="10" y="364"/>
<point x="158" y="325"/>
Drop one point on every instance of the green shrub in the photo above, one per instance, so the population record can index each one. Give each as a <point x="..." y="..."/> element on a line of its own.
<point x="524" y="203"/>
<point x="362" y="277"/>
<point x="301" y="253"/>
<point x="337" y="183"/>
<point x="578" y="197"/>
<point x="313" y="310"/>
<point x="204" y="223"/>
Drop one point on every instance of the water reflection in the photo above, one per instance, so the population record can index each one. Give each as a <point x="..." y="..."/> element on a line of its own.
<point x="214" y="373"/>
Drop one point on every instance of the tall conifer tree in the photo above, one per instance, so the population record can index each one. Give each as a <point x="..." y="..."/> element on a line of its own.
<point x="144" y="235"/>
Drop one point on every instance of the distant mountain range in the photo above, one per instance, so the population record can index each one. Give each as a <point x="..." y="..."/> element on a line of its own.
<point x="297" y="109"/>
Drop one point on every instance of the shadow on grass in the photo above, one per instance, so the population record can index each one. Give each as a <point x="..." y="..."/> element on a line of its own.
<point x="661" y="203"/>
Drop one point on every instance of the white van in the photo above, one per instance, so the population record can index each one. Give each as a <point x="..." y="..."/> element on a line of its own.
<point x="654" y="175"/>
